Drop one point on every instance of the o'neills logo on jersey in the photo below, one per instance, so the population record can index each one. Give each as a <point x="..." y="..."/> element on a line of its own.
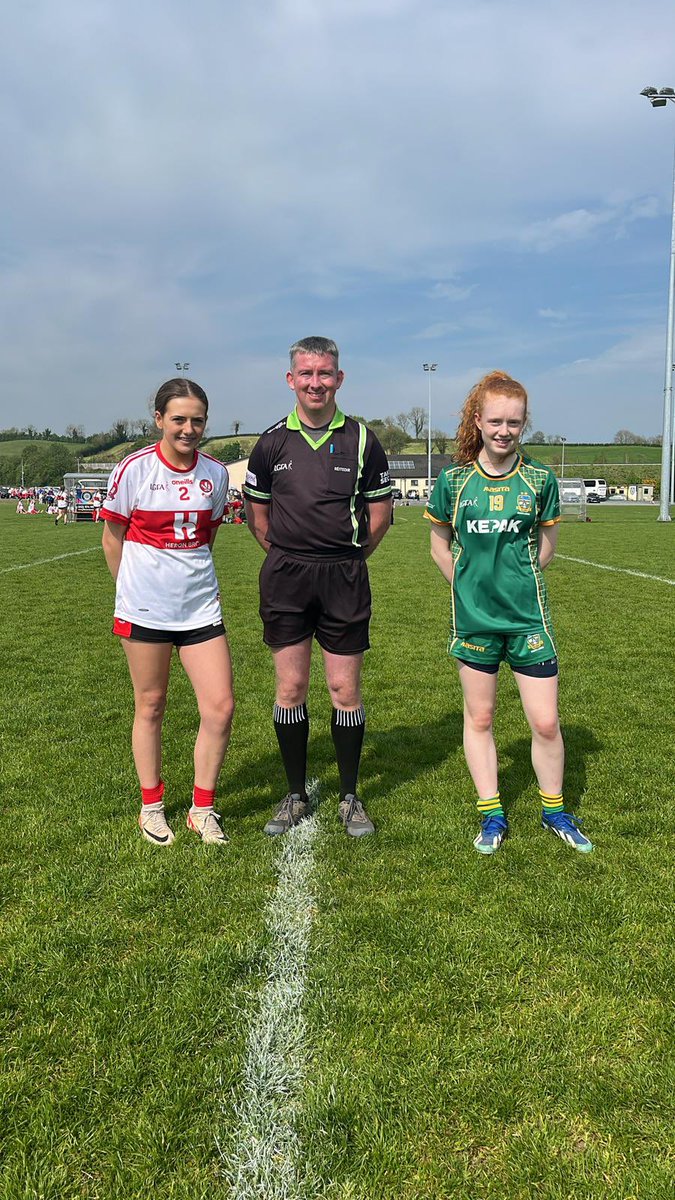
<point x="206" y="486"/>
<point x="182" y="482"/>
<point x="492" y="525"/>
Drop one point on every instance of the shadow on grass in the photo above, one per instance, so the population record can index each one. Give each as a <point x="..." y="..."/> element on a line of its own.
<point x="390" y="758"/>
<point x="516" y="776"/>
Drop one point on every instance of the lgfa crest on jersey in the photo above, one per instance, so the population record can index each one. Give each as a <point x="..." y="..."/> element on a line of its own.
<point x="524" y="502"/>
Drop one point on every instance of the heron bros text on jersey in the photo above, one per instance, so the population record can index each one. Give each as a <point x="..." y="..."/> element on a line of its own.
<point x="492" y="525"/>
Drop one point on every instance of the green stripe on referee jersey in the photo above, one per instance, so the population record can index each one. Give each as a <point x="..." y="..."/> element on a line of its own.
<point x="363" y="432"/>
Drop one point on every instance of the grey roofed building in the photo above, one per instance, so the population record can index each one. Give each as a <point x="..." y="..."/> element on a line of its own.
<point x="409" y="471"/>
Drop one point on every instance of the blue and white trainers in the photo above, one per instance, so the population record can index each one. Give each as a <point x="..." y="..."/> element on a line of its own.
<point x="493" y="830"/>
<point x="565" y="826"/>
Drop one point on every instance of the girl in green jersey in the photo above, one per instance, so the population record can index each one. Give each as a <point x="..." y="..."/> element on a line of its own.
<point x="495" y="517"/>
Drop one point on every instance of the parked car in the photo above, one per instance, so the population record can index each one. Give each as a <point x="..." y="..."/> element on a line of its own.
<point x="413" y="494"/>
<point x="593" y="498"/>
<point x="396" y="494"/>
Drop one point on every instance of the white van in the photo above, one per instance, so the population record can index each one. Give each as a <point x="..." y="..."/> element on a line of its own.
<point x="596" y="487"/>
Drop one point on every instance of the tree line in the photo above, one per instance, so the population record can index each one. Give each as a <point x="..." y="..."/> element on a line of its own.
<point x="50" y="455"/>
<point x="623" y="437"/>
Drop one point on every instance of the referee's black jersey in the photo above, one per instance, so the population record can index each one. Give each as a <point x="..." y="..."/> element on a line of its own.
<point x="317" y="491"/>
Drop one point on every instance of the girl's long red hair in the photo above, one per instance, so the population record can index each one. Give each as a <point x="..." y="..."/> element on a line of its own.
<point x="469" y="439"/>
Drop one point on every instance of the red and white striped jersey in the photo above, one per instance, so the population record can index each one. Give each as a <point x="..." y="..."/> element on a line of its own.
<point x="166" y="578"/>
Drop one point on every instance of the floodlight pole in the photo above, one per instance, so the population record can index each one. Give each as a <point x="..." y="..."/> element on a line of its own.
<point x="659" y="99"/>
<point x="667" y="445"/>
<point x="429" y="368"/>
<point x="562" y="465"/>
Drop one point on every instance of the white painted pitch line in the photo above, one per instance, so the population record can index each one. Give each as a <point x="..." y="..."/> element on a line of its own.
<point x="618" y="570"/>
<point x="265" y="1157"/>
<point x="38" y="562"/>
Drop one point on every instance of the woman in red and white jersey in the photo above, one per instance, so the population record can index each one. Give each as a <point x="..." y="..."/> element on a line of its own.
<point x="162" y="513"/>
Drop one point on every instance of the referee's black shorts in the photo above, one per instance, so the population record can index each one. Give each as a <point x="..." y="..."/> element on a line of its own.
<point x="326" y="598"/>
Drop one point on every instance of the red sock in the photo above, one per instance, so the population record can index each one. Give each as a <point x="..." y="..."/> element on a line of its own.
<point x="153" y="795"/>
<point x="203" y="797"/>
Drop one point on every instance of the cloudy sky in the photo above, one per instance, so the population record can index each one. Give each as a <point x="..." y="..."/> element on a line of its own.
<point x="476" y="183"/>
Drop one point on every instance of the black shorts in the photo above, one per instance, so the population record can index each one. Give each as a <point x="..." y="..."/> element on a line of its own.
<point x="327" y="598"/>
<point x="542" y="670"/>
<point x="176" y="637"/>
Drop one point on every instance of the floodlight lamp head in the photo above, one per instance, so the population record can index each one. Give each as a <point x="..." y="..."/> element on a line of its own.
<point x="648" y="91"/>
<point x="425" y="366"/>
<point x="666" y="92"/>
<point x="658" y="101"/>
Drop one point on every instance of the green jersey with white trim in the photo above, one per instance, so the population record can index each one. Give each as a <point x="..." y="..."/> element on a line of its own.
<point x="497" y="581"/>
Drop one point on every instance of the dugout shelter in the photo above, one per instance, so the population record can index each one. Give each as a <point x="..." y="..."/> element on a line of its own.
<point x="80" y="487"/>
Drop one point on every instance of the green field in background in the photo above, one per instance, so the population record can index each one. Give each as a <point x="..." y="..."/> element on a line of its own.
<point x="476" y="1027"/>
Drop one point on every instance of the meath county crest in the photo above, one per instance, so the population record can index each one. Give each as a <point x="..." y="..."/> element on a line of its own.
<point x="524" y="502"/>
<point x="535" y="642"/>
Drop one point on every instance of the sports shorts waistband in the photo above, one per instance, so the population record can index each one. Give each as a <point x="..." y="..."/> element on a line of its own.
<point x="339" y="556"/>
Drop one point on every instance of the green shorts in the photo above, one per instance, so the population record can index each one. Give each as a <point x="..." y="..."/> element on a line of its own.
<point x="518" y="649"/>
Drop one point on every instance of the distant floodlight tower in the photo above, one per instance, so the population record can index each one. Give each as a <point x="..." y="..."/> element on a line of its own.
<point x="562" y="465"/>
<point x="182" y="368"/>
<point x="429" y="367"/>
<point x="659" y="99"/>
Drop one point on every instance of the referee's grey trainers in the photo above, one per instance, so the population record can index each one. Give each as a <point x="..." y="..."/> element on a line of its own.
<point x="292" y="809"/>
<point x="354" y="817"/>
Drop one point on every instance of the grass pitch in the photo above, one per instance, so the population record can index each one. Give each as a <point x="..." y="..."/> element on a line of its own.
<point x="474" y="1027"/>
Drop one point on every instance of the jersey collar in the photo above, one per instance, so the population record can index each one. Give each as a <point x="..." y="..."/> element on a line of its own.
<point x="293" y="422"/>
<point x="178" y="470"/>
<point x="495" y="478"/>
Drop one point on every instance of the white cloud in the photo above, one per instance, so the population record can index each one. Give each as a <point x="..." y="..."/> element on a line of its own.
<point x="448" y="290"/>
<point x="552" y="314"/>
<point x="638" y="350"/>
<point x="231" y="175"/>
<point x="566" y="227"/>
<point x="582" y="224"/>
<point x="439" y="330"/>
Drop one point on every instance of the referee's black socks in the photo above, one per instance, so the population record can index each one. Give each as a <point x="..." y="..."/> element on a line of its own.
<point x="291" y="726"/>
<point x="348" y="728"/>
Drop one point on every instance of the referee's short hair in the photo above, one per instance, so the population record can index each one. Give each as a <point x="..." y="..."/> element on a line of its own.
<point x="314" y="345"/>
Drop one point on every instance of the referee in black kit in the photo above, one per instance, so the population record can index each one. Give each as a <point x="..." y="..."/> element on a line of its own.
<point x="318" y="500"/>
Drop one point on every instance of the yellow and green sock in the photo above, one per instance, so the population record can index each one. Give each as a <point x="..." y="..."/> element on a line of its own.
<point x="551" y="803"/>
<point x="492" y="807"/>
